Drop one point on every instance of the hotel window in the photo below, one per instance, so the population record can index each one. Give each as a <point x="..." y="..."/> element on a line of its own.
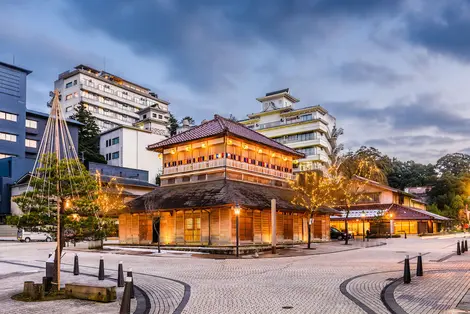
<point x="186" y="179"/>
<point x="69" y="84"/>
<point x="8" y="137"/>
<point x="154" y="115"/>
<point x="115" y="140"/>
<point x="8" y="116"/>
<point x="115" y="155"/>
<point x="306" y="117"/>
<point x="69" y="96"/>
<point x="160" y="116"/>
<point x="31" y="124"/>
<point x="75" y="82"/>
<point x="5" y="156"/>
<point x="171" y="181"/>
<point x="201" y="177"/>
<point x="31" y="143"/>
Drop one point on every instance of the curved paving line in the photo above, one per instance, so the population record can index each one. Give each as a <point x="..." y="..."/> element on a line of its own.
<point x="143" y="300"/>
<point x="344" y="290"/>
<point x="184" y="300"/>
<point x="388" y="292"/>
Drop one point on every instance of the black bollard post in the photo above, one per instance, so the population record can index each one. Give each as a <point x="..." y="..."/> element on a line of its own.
<point x="129" y="274"/>
<point x="458" y="248"/>
<point x="101" y="270"/>
<point x="407" y="273"/>
<point x="419" y="268"/>
<point x="462" y="248"/>
<point x="120" y="275"/>
<point x="405" y="236"/>
<point x="466" y="246"/>
<point x="76" y="270"/>
<point x="50" y="254"/>
<point x="126" y="297"/>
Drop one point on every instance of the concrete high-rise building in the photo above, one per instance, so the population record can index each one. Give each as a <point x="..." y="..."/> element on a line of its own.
<point x="112" y="100"/>
<point x="307" y="129"/>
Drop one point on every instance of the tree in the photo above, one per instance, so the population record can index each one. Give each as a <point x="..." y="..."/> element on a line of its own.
<point x="231" y="117"/>
<point x="189" y="119"/>
<point x="172" y="125"/>
<point x="351" y="179"/>
<point x="312" y="191"/>
<point x="335" y="147"/>
<point x="58" y="189"/>
<point x="88" y="135"/>
<point x="455" y="164"/>
<point x="408" y="174"/>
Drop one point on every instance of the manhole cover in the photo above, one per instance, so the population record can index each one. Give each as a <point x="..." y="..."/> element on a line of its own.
<point x="287" y="307"/>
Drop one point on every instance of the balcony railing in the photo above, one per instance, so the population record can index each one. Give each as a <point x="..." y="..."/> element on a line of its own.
<point x="229" y="163"/>
<point x="103" y="93"/>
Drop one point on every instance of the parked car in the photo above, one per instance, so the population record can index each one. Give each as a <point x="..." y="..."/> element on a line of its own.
<point x="28" y="236"/>
<point x="339" y="235"/>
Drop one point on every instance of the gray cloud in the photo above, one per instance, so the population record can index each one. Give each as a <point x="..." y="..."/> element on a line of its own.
<point x="443" y="30"/>
<point x="364" y="72"/>
<point x="207" y="42"/>
<point x="426" y="111"/>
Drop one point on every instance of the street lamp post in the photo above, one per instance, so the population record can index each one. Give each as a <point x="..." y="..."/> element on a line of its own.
<point x="363" y="215"/>
<point x="237" y="214"/>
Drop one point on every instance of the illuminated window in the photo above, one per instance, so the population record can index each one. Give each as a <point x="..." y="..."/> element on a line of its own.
<point x="192" y="227"/>
<point x="5" y="156"/>
<point x="8" y="137"/>
<point x="69" y="96"/>
<point x="8" y="116"/>
<point x="31" y="143"/>
<point x="31" y="124"/>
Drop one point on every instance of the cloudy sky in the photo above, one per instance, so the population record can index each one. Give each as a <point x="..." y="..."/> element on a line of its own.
<point x="396" y="74"/>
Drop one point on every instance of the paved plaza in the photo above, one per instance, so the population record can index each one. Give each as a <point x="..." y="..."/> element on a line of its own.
<point x="332" y="279"/>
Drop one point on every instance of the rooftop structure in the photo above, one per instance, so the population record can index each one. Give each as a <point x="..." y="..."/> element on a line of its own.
<point x="306" y="130"/>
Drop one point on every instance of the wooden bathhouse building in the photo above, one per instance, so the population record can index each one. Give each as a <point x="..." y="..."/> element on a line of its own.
<point x="211" y="170"/>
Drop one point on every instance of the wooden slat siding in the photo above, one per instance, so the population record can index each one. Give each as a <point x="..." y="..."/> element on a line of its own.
<point x="167" y="234"/>
<point x="305" y="228"/>
<point x="257" y="226"/>
<point x="174" y="225"/>
<point x="317" y="228"/>
<point x="135" y="229"/>
<point x="204" y="227"/>
<point x="123" y="228"/>
<point x="295" y="227"/>
<point x="180" y="227"/>
<point x="145" y="227"/>
<point x="225" y="226"/>
<point x="280" y="227"/>
<point x="233" y="230"/>
<point x="327" y="227"/>
<point x="215" y="218"/>
<point x="266" y="218"/>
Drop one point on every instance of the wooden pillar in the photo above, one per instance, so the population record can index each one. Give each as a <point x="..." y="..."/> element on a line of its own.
<point x="273" y="226"/>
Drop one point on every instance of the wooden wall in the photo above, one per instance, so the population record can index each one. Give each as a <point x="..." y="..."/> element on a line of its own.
<point x="137" y="228"/>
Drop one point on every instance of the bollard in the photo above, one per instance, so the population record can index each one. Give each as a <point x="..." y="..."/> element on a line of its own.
<point x="126" y="297"/>
<point x="50" y="254"/>
<point x="120" y="275"/>
<point x="466" y="247"/>
<point x="129" y="274"/>
<point x="407" y="274"/>
<point x="76" y="270"/>
<point x="405" y="235"/>
<point x="101" y="270"/>
<point x="458" y="248"/>
<point x="462" y="248"/>
<point x="419" y="267"/>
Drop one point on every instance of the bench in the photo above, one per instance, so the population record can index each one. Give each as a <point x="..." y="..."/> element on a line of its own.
<point x="93" y="292"/>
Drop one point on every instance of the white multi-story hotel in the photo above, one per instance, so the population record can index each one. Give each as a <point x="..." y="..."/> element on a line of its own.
<point x="306" y="130"/>
<point x="112" y="100"/>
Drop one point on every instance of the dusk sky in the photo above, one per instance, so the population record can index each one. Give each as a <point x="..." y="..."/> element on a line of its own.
<point x="395" y="74"/>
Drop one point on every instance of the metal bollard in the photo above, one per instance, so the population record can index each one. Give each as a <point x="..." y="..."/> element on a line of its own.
<point x="458" y="248"/>
<point x="76" y="270"/>
<point x="129" y="274"/>
<point x="419" y="267"/>
<point x="405" y="236"/>
<point x="407" y="273"/>
<point x="101" y="270"/>
<point x="120" y="275"/>
<point x="462" y="248"/>
<point x="126" y="297"/>
<point x="466" y="246"/>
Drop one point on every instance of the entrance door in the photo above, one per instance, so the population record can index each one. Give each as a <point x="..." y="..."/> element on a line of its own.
<point x="422" y="227"/>
<point x="156" y="230"/>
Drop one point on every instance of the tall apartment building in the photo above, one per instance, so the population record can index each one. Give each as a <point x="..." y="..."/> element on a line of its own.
<point x="112" y="100"/>
<point x="307" y="130"/>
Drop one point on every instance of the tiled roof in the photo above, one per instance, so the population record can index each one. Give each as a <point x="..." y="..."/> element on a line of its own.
<point x="218" y="126"/>
<point x="218" y="193"/>
<point x="399" y="212"/>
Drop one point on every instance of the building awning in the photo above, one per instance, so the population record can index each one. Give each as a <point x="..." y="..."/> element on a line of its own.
<point x="398" y="212"/>
<point x="218" y="193"/>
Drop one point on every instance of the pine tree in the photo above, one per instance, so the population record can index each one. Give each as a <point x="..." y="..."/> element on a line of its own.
<point x="88" y="136"/>
<point x="172" y="125"/>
